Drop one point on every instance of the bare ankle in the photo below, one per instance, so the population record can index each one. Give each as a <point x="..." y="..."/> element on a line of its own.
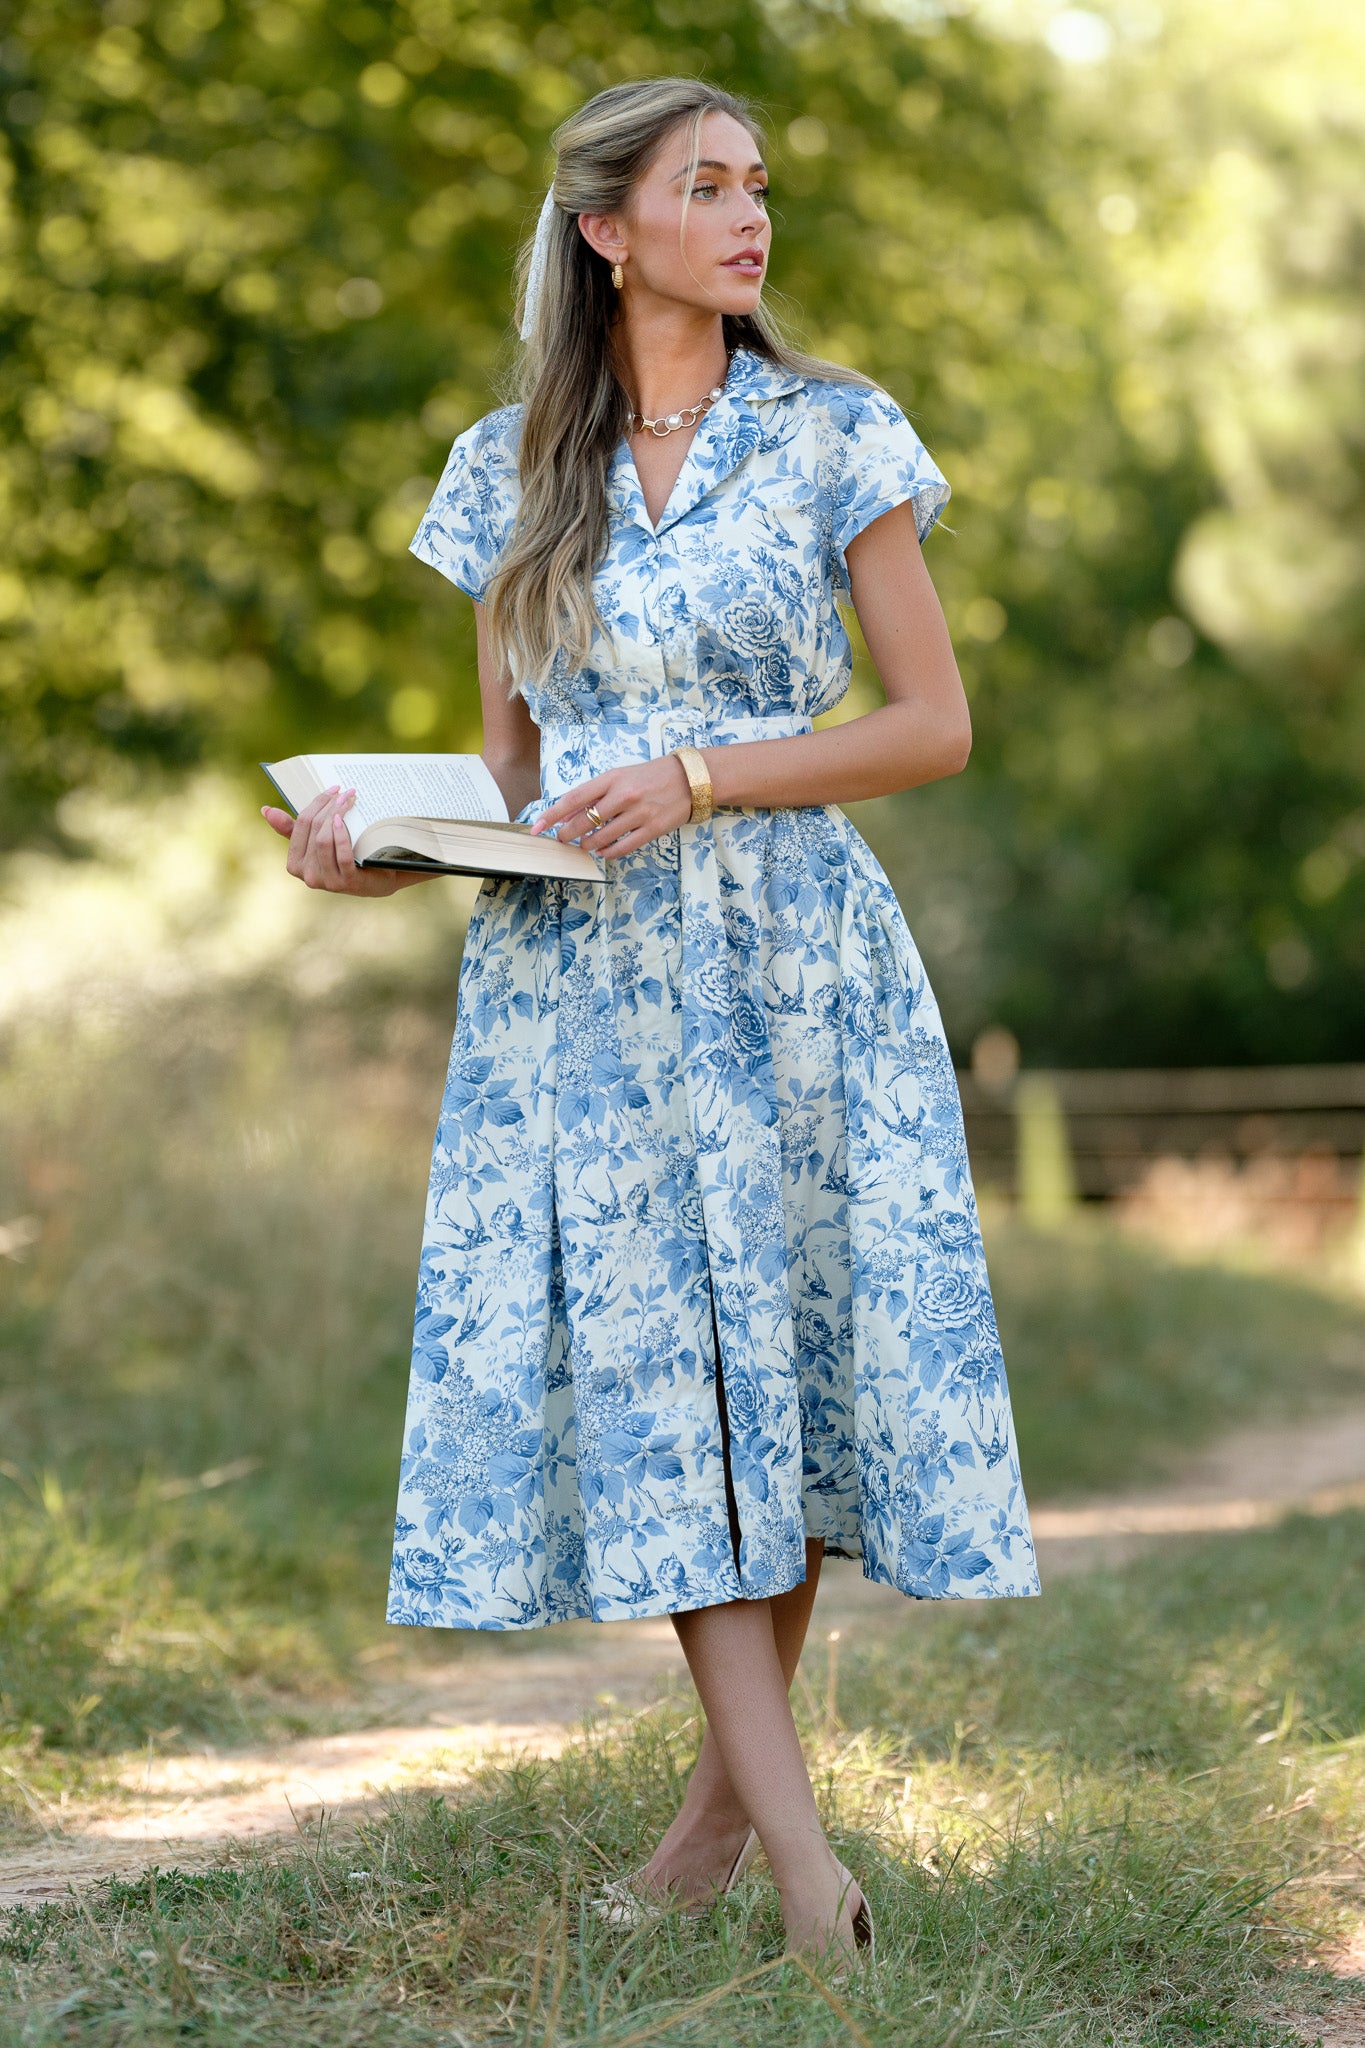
<point x="711" y="1818"/>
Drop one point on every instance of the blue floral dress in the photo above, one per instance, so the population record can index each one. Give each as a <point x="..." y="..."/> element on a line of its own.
<point x="711" y="1099"/>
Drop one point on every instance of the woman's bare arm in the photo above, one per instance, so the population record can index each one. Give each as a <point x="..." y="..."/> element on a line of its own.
<point x="921" y="733"/>
<point x="511" y="737"/>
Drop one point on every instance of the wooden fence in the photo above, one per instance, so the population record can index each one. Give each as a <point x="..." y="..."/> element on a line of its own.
<point x="1103" y="1128"/>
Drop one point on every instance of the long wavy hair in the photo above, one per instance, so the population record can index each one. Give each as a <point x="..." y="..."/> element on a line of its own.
<point x="540" y="604"/>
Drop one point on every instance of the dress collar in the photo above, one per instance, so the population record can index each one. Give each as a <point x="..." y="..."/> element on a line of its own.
<point x="753" y="378"/>
<point x="725" y="437"/>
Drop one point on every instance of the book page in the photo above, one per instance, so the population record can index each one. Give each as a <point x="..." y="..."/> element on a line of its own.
<point x="413" y="785"/>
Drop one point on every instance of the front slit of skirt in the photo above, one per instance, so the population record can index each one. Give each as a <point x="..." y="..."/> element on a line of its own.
<point x="731" y="1505"/>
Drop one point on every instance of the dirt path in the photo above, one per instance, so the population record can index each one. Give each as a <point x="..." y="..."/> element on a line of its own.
<point x="431" y="1723"/>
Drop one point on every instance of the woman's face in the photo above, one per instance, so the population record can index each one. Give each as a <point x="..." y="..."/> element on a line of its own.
<point x="720" y="265"/>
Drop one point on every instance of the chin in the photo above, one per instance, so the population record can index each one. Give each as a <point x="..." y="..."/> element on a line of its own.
<point x="740" y="295"/>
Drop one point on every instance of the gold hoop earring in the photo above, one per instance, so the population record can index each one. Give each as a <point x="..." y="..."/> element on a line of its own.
<point x="618" y="276"/>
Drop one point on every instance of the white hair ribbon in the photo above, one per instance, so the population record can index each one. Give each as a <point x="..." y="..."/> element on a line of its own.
<point x="540" y="256"/>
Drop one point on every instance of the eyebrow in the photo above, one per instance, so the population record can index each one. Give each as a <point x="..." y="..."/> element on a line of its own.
<point x="711" y="163"/>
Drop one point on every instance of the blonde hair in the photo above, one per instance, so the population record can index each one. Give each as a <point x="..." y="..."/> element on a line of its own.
<point x="540" y="604"/>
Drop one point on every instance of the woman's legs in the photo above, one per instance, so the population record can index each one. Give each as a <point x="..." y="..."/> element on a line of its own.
<point x="743" y="1657"/>
<point x="698" y="1851"/>
<point x="750" y="1770"/>
<point x="733" y="1657"/>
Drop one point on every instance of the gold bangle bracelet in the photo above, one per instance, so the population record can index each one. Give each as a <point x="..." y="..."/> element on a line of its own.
<point x="699" y="782"/>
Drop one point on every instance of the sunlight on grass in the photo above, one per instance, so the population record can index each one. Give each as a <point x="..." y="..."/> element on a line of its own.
<point x="1050" y="1861"/>
<point x="1111" y="1815"/>
<point x="204" y="1349"/>
<point x="186" y="895"/>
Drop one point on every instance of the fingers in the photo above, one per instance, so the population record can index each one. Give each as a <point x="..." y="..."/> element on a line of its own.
<point x="320" y="851"/>
<point x="286" y="824"/>
<point x="581" y="828"/>
<point x="638" y="803"/>
<point x="343" y="853"/>
<point x="301" y="831"/>
<point x="626" y="833"/>
<point x="632" y="842"/>
<point x="634" y="811"/>
<point x="571" y="806"/>
<point x="323" y="866"/>
<point x="596" y="838"/>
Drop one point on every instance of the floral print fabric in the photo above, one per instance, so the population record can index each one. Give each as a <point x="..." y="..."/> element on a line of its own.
<point x="711" y="1099"/>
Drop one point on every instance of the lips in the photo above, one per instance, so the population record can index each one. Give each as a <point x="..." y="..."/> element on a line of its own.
<point x="753" y="263"/>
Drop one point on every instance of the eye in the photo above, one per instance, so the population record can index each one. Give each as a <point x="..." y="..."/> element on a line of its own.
<point x="700" y="191"/>
<point x="760" y="193"/>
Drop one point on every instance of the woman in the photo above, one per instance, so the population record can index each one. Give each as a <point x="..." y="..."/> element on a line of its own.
<point x="702" y="1294"/>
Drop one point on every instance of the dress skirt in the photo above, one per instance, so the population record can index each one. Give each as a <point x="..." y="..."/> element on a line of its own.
<point x="712" y="1095"/>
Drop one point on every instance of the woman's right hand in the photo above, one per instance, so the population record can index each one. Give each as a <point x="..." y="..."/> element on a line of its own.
<point x="320" y="851"/>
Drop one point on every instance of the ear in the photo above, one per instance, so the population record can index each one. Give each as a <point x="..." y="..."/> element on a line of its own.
<point x="602" y="232"/>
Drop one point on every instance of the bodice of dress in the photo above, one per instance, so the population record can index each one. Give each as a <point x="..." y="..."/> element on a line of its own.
<point x="727" y="610"/>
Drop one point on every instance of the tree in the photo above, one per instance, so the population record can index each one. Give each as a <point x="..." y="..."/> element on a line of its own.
<point x="257" y="275"/>
<point x="1158" y="853"/>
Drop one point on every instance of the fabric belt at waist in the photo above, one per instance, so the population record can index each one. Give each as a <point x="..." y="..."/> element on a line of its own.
<point x="572" y="752"/>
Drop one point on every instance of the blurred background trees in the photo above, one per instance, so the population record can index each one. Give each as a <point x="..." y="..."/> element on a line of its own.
<point x="256" y="275"/>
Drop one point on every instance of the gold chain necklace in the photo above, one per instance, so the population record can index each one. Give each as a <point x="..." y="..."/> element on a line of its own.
<point x="669" y="423"/>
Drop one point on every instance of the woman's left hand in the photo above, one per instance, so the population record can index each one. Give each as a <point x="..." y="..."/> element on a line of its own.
<point x="638" y="802"/>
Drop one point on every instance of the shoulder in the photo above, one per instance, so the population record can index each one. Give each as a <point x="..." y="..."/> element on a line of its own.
<point x="491" y="443"/>
<point x="474" y="505"/>
<point x="480" y="472"/>
<point x="850" y="409"/>
<point x="877" y="459"/>
<point x="823" y="410"/>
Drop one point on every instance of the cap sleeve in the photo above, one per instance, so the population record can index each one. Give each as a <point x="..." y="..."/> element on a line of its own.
<point x="465" y="527"/>
<point x="885" y="464"/>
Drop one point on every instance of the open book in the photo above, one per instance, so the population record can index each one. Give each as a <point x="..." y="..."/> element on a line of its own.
<point x="441" y="813"/>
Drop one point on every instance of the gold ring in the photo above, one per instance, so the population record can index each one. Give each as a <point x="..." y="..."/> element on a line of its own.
<point x="592" y="812"/>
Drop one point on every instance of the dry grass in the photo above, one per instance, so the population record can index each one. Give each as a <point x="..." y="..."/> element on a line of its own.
<point x="1112" y="1816"/>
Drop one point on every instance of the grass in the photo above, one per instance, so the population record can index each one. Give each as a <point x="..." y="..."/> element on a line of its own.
<point x="1116" y="1815"/>
<point x="203" y="1361"/>
<point x="1121" y="1358"/>
<point x="202" y="1366"/>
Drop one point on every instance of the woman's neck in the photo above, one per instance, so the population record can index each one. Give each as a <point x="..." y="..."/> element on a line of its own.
<point x="669" y="358"/>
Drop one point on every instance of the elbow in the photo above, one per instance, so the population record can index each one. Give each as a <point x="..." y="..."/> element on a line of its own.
<point x="938" y="744"/>
<point x="514" y="760"/>
<point x="958" y="744"/>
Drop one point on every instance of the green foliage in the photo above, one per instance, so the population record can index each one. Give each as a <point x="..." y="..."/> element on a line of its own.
<point x="231" y="1299"/>
<point x="254" y="275"/>
<point x="1228" y="1644"/>
<point x="1158" y="851"/>
<point x="259" y="271"/>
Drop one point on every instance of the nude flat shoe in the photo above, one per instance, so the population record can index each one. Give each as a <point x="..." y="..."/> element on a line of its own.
<point x="621" y="1904"/>
<point x="748" y="1850"/>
